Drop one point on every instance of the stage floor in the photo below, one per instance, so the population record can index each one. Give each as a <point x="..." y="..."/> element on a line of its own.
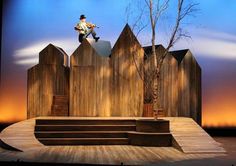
<point x="193" y="144"/>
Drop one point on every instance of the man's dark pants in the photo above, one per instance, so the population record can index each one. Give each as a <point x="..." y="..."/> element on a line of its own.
<point x="82" y="36"/>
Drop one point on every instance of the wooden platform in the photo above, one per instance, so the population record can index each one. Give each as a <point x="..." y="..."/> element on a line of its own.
<point x="190" y="142"/>
<point x="139" y="132"/>
<point x="191" y="138"/>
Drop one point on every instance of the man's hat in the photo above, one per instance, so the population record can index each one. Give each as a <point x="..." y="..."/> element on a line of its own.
<point x="82" y="17"/>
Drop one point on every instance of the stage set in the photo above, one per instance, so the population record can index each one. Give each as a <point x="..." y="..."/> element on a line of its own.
<point x="98" y="111"/>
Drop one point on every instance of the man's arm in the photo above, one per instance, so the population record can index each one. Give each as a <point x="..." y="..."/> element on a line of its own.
<point x="76" y="28"/>
<point x="90" y="25"/>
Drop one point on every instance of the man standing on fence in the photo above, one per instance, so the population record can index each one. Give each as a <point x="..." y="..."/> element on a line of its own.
<point x="85" y="29"/>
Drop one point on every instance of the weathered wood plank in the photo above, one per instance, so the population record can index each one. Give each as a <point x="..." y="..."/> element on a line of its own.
<point x="84" y="89"/>
<point x="117" y="87"/>
<point x="21" y="136"/>
<point x="168" y="86"/>
<point x="33" y="91"/>
<point x="189" y="80"/>
<point x="127" y="67"/>
<point x="187" y="138"/>
<point x="180" y="83"/>
<point x="48" y="78"/>
<point x="97" y="94"/>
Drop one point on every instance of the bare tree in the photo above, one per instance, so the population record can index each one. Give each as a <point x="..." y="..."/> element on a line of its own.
<point x="155" y="10"/>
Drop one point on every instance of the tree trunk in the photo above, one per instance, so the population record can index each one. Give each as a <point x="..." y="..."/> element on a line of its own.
<point x="155" y="79"/>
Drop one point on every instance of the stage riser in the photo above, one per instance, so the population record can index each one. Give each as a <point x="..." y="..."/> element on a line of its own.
<point x="85" y="128"/>
<point x="60" y="97"/>
<point x="81" y="135"/>
<point x="164" y="139"/>
<point x="124" y="141"/>
<point x="152" y="126"/>
<point x="84" y="122"/>
<point x="103" y="132"/>
<point x="157" y="141"/>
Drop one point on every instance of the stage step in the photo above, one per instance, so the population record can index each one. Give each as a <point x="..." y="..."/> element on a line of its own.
<point x="84" y="141"/>
<point x="80" y="134"/>
<point x="85" y="131"/>
<point x="85" y="128"/>
<point x="60" y="101"/>
<point x="61" y="96"/>
<point x="60" y="106"/>
<point x="84" y="122"/>
<point x="150" y="139"/>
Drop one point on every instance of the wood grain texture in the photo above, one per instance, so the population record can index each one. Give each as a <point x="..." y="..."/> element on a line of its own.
<point x="84" y="91"/>
<point x="113" y="85"/>
<point x="98" y="132"/>
<point x="180" y="83"/>
<point x="33" y="105"/>
<point x="127" y="79"/>
<point x="113" y="155"/>
<point x="107" y="86"/>
<point x="168" y="85"/>
<point x="90" y="82"/>
<point x="48" y="78"/>
<point x="60" y="105"/>
<point x="191" y="140"/>
<point x="189" y="137"/>
<point x="189" y="85"/>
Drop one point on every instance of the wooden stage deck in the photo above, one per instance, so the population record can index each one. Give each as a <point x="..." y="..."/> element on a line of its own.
<point x="190" y="142"/>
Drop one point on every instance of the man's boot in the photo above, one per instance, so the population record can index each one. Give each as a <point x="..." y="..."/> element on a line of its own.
<point x="96" y="38"/>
